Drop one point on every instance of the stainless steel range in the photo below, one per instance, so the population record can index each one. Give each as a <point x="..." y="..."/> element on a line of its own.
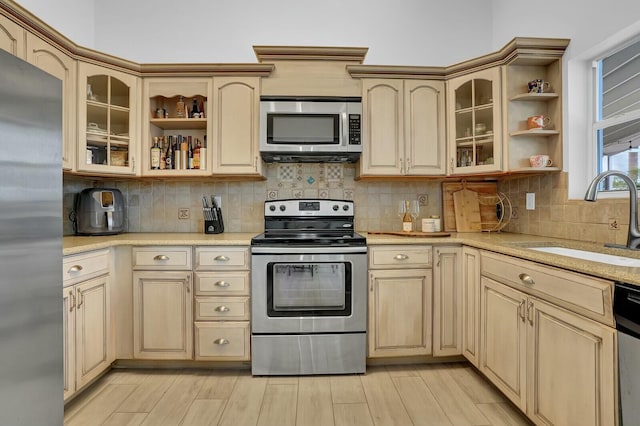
<point x="308" y="290"/>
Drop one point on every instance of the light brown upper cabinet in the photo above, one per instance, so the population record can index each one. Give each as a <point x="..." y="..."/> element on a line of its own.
<point x="403" y="127"/>
<point x="12" y="37"/>
<point x="475" y="122"/>
<point x="107" y="120"/>
<point x="162" y="119"/>
<point x="53" y="61"/>
<point x="236" y="122"/>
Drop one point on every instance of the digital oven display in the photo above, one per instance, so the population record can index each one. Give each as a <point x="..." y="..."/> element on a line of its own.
<point x="309" y="206"/>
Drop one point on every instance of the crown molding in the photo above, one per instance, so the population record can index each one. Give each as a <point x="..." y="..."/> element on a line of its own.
<point x="310" y="53"/>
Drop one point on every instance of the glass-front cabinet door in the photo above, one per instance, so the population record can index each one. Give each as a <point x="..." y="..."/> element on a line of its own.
<point x="475" y="136"/>
<point x="106" y="120"/>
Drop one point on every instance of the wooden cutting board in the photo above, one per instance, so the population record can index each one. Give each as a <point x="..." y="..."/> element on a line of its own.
<point x="486" y="193"/>
<point x="412" y="234"/>
<point x="467" y="209"/>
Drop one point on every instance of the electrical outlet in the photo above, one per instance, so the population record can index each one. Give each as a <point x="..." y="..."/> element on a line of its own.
<point x="183" y="213"/>
<point x="614" y="225"/>
<point x="423" y="199"/>
<point x="514" y="212"/>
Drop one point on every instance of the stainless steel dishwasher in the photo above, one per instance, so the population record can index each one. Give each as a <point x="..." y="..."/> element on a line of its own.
<point x="626" y="308"/>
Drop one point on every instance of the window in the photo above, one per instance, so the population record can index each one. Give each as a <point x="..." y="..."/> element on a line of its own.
<point x="617" y="115"/>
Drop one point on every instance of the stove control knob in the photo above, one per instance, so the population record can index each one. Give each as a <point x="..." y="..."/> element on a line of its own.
<point x="282" y="207"/>
<point x="335" y="207"/>
<point x="272" y="208"/>
<point x="345" y="207"/>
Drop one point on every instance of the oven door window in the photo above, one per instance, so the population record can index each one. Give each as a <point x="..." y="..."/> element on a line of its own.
<point x="308" y="289"/>
<point x="308" y="129"/>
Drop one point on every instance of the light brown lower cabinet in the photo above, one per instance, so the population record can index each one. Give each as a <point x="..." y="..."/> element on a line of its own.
<point x="447" y="301"/>
<point x="471" y="304"/>
<point x="400" y="312"/>
<point x="87" y="338"/>
<point x="162" y="315"/>
<point x="557" y="366"/>
<point x="222" y="313"/>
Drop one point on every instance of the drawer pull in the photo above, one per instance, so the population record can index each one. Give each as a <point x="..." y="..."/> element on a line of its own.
<point x="526" y="279"/>
<point x="222" y="284"/>
<point x="75" y="268"/>
<point x="221" y="258"/>
<point x="400" y="257"/>
<point x="221" y="341"/>
<point x="222" y="308"/>
<point x="161" y="257"/>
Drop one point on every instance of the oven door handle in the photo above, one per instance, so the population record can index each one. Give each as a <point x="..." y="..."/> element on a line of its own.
<point x="307" y="250"/>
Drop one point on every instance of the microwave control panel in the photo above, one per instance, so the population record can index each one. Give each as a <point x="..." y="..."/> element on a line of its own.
<point x="354" y="129"/>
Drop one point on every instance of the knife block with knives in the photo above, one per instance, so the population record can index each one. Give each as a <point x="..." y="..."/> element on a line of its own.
<point x="213" y="223"/>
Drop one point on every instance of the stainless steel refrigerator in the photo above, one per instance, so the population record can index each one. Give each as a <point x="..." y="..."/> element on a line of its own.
<point x="31" y="370"/>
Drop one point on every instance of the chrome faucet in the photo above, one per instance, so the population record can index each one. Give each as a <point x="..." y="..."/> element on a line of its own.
<point x="633" y="237"/>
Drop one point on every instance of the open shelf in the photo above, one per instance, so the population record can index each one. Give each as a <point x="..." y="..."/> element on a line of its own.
<point x="535" y="132"/>
<point x="179" y="123"/>
<point x="539" y="97"/>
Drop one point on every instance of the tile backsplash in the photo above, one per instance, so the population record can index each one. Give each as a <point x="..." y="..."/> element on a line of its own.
<point x="152" y="204"/>
<point x="556" y="216"/>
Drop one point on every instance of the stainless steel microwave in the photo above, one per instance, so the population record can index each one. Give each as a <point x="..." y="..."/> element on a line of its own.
<point x="310" y="129"/>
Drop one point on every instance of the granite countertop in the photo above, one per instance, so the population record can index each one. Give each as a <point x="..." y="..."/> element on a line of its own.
<point x="505" y="243"/>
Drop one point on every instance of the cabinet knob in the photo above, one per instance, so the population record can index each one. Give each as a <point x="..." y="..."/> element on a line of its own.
<point x="222" y="284"/>
<point x="221" y="341"/>
<point x="221" y="258"/>
<point x="222" y="308"/>
<point x="161" y="257"/>
<point x="526" y="279"/>
<point x="400" y="257"/>
<point x="75" y="268"/>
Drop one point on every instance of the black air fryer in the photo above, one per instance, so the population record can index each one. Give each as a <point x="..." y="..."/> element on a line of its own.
<point x="99" y="211"/>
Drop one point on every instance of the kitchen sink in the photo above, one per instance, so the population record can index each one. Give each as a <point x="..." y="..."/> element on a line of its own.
<point x="590" y="255"/>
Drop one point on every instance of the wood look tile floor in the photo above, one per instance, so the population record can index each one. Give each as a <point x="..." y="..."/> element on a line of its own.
<point x="432" y="394"/>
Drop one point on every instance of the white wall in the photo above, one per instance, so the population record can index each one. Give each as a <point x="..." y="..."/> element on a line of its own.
<point x="585" y="22"/>
<point x="75" y="19"/>
<point x="397" y="32"/>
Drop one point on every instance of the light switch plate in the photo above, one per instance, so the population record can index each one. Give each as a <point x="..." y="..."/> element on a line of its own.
<point x="531" y="200"/>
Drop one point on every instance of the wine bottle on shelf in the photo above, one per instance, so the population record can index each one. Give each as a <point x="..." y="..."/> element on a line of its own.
<point x="195" y="111"/>
<point x="203" y="154"/>
<point x="169" y="153"/>
<point x="407" y="222"/>
<point x="189" y="153"/>
<point x="178" y="153"/>
<point x="196" y="155"/>
<point x="180" y="110"/>
<point x="163" y="153"/>
<point x="184" y="160"/>
<point x="155" y="155"/>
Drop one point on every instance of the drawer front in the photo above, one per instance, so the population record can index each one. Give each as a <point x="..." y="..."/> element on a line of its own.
<point x="581" y="293"/>
<point x="80" y="267"/>
<point x="223" y="283"/>
<point x="159" y="258"/>
<point x="222" y="308"/>
<point x="222" y="341"/>
<point x="400" y="256"/>
<point x="220" y="258"/>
